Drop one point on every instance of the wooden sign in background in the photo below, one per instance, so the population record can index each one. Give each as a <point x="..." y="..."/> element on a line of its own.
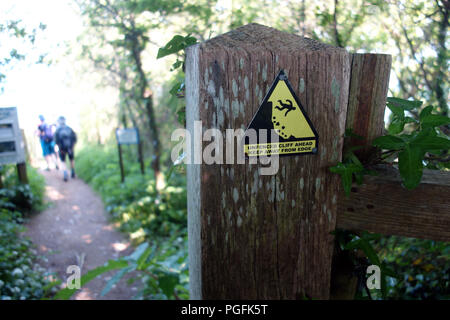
<point x="12" y="150"/>
<point x="129" y="136"/>
<point x="12" y="145"/>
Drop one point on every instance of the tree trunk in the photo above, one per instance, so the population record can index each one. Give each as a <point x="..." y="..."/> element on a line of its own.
<point x="155" y="141"/>
<point x="147" y="98"/>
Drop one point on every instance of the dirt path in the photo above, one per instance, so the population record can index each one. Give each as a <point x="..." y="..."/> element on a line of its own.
<point x="76" y="226"/>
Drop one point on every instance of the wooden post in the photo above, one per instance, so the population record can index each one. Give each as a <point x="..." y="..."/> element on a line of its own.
<point x="141" y="158"/>
<point x="367" y="100"/>
<point x="369" y="84"/>
<point x="254" y="236"/>
<point x="22" y="172"/>
<point x="122" y="172"/>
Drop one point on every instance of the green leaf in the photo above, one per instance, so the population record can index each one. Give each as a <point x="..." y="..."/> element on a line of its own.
<point x="177" y="89"/>
<point x="425" y="112"/>
<point x="396" y="126"/>
<point x="140" y="250"/>
<point x="115" y="279"/>
<point x="346" y="171"/>
<point x="167" y="282"/>
<point x="181" y="115"/>
<point x="397" y="111"/>
<point x="66" y="293"/>
<point x="410" y="120"/>
<point x="176" y="65"/>
<point x="143" y="258"/>
<point x="389" y="142"/>
<point x="388" y="271"/>
<point x="434" y="120"/>
<point x="410" y="166"/>
<point x="366" y="247"/>
<point x="404" y="104"/>
<point x="428" y="141"/>
<point x="176" y="44"/>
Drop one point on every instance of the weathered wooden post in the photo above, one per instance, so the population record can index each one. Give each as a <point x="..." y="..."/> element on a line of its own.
<point x="253" y="236"/>
<point x="12" y="143"/>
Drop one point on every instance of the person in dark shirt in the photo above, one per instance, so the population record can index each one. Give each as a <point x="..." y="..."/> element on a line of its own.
<point x="65" y="139"/>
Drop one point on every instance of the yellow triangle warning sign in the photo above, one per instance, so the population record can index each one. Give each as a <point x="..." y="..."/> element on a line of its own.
<point x="281" y="114"/>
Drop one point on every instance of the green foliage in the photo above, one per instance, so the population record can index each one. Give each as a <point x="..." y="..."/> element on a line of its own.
<point x="410" y="148"/>
<point x="24" y="198"/>
<point x="66" y="293"/>
<point x="14" y="30"/>
<point x="352" y="243"/>
<point x="350" y="167"/>
<point x="20" y="275"/>
<point x="422" y="266"/>
<point x="413" y="147"/>
<point x="155" y="220"/>
<point x="175" y="45"/>
<point x="140" y="210"/>
<point x="161" y="267"/>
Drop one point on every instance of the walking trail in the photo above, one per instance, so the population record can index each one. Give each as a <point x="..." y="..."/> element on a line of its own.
<point x="75" y="230"/>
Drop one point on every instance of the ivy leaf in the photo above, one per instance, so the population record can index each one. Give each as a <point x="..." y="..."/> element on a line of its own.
<point x="389" y="142"/>
<point x="404" y="104"/>
<point x="176" y="44"/>
<point x="346" y="170"/>
<point x="410" y="166"/>
<point x="167" y="281"/>
<point x="397" y="111"/>
<point x="425" y="112"/>
<point x="397" y="124"/>
<point x="66" y="293"/>
<point x="428" y="141"/>
<point x="176" y="65"/>
<point x="181" y="115"/>
<point x="176" y="88"/>
<point x="115" y="279"/>
<point x="410" y="120"/>
<point x="434" y="120"/>
<point x="367" y="248"/>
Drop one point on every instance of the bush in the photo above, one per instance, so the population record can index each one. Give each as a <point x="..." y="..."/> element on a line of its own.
<point x="422" y="267"/>
<point x="157" y="220"/>
<point x="134" y="204"/>
<point x="20" y="276"/>
<point x="24" y="198"/>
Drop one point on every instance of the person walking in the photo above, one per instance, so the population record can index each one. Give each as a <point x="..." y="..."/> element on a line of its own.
<point x="45" y="133"/>
<point x="66" y="139"/>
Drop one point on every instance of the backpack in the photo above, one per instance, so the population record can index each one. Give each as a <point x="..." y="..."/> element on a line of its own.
<point x="65" y="137"/>
<point x="48" y="133"/>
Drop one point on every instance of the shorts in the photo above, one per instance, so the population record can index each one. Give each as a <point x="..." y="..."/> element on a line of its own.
<point x="48" y="148"/>
<point x="63" y="153"/>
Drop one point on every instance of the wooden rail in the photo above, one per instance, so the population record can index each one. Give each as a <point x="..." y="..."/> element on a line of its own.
<point x="382" y="205"/>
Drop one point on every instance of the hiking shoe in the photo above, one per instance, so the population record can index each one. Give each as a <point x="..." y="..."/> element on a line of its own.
<point x="66" y="176"/>
<point x="73" y="174"/>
